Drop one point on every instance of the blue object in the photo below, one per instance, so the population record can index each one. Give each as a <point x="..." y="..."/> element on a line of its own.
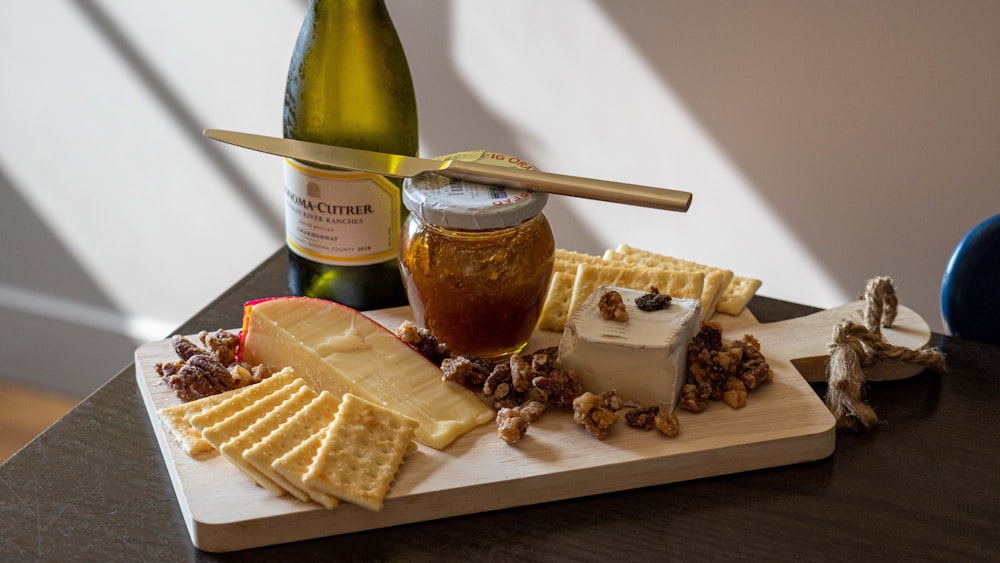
<point x="970" y="288"/>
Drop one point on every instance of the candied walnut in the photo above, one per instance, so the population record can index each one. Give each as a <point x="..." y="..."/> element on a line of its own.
<point x="653" y="301"/>
<point x="169" y="372"/>
<point x="709" y="337"/>
<point x="613" y="400"/>
<point x="260" y="373"/>
<point x="596" y="412"/>
<point x="540" y="371"/>
<point x="545" y="359"/>
<point x="735" y="394"/>
<point x="521" y="372"/>
<point x="423" y="341"/>
<point x="244" y="374"/>
<point x="513" y="422"/>
<point x="531" y="410"/>
<point x="499" y="387"/>
<point x="166" y="369"/>
<point x="213" y="367"/>
<point x="754" y="369"/>
<point x="668" y="424"/>
<point x="714" y="363"/>
<point x="184" y="348"/>
<point x="221" y="344"/>
<point x="612" y="308"/>
<point x="642" y="418"/>
<point x="469" y="371"/>
<point x="193" y="382"/>
<point x="510" y="426"/>
<point x="200" y="376"/>
<point x="692" y="399"/>
<point x="189" y="391"/>
<point x="559" y="387"/>
<point x="240" y="374"/>
<point x="210" y="370"/>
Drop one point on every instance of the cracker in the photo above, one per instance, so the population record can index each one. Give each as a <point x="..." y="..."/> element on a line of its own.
<point x="555" y="309"/>
<point x="234" y="448"/>
<point x="361" y="453"/>
<point x="716" y="279"/>
<point x="241" y="399"/>
<point x="589" y="277"/>
<point x="309" y="421"/>
<point x="737" y="292"/>
<point x="221" y="432"/>
<point x="294" y="465"/>
<point x="177" y="421"/>
<point x="568" y="260"/>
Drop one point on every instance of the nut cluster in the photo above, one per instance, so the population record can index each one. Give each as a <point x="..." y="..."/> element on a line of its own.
<point x="208" y="369"/>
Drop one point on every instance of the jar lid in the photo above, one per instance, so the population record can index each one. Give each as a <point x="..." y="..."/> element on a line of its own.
<point x="461" y="204"/>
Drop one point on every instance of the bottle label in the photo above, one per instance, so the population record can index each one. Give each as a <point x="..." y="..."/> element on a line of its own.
<point x="340" y="218"/>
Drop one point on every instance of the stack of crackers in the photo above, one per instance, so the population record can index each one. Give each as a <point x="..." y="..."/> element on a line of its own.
<point x="576" y="275"/>
<point x="290" y="439"/>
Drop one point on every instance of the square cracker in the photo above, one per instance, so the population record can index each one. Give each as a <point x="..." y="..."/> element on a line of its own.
<point x="312" y="420"/>
<point x="568" y="260"/>
<point x="294" y="465"/>
<point x="234" y="448"/>
<point x="221" y="432"/>
<point x="177" y="421"/>
<point x="589" y="277"/>
<point x="735" y="295"/>
<point x="739" y="293"/>
<point x="240" y="400"/>
<point x="716" y="279"/>
<point x="361" y="453"/>
<point x="555" y="310"/>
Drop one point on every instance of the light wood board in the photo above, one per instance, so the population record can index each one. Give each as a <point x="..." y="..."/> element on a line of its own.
<point x="784" y="422"/>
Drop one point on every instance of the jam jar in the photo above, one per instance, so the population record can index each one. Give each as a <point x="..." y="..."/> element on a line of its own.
<point x="476" y="259"/>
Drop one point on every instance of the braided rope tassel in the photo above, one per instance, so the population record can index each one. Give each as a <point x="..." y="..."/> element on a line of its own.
<point x="854" y="346"/>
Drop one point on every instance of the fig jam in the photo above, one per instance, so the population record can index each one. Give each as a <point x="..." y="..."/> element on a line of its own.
<point x="476" y="261"/>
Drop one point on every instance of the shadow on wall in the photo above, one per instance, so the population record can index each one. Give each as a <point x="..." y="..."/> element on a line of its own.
<point x="461" y="122"/>
<point x="174" y="105"/>
<point x="864" y="125"/>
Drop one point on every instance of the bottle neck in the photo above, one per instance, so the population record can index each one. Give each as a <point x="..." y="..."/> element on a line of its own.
<point x="334" y="9"/>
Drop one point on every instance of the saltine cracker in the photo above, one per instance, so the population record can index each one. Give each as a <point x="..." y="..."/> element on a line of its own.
<point x="361" y="453"/>
<point x="309" y="422"/>
<point x="589" y="277"/>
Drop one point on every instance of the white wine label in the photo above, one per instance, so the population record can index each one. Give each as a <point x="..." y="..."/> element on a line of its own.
<point x="340" y="218"/>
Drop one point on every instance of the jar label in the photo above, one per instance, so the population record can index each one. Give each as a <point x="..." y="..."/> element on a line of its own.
<point x="340" y="218"/>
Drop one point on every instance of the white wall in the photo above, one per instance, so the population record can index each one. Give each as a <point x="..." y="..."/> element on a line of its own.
<point x="825" y="143"/>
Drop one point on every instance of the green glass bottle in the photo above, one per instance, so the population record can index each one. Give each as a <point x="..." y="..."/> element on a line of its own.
<point x="348" y="84"/>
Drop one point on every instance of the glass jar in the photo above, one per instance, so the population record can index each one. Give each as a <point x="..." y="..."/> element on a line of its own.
<point x="476" y="259"/>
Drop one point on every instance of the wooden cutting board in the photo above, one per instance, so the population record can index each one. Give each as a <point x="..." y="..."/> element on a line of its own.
<point x="784" y="422"/>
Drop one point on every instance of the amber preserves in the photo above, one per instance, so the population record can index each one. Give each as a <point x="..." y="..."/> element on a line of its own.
<point x="476" y="262"/>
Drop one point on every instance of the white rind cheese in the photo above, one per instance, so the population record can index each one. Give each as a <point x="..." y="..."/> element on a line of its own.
<point x="643" y="358"/>
<point x="337" y="349"/>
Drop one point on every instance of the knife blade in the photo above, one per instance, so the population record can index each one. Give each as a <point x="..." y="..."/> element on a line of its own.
<point x="398" y="166"/>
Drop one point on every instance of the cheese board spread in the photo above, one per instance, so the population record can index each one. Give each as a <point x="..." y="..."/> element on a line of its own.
<point x="785" y="422"/>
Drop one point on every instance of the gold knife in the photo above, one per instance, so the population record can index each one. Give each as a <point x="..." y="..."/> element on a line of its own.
<point x="398" y="166"/>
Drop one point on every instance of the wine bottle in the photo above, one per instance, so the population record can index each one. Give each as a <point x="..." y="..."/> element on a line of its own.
<point x="348" y="84"/>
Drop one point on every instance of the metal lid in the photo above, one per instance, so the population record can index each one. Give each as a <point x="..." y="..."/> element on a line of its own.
<point x="461" y="204"/>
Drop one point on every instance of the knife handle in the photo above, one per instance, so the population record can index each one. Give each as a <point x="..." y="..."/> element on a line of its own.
<point x="601" y="190"/>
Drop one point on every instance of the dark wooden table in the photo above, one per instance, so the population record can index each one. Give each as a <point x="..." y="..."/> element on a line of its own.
<point x="924" y="486"/>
